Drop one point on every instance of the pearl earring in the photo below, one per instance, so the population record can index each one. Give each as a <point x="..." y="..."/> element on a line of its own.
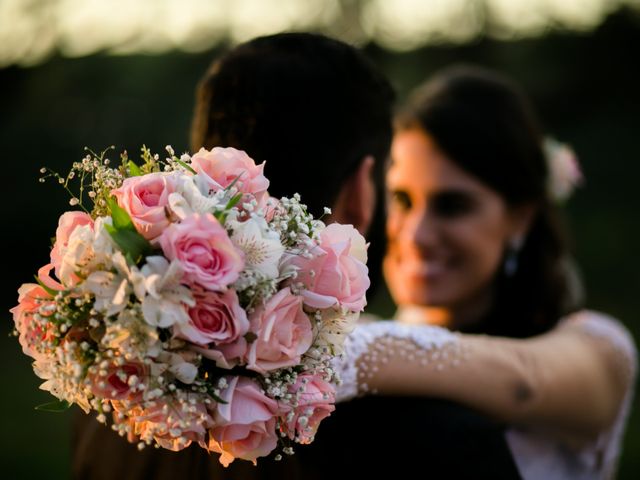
<point x="511" y="257"/>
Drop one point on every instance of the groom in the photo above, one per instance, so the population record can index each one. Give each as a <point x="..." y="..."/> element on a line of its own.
<point x="320" y="114"/>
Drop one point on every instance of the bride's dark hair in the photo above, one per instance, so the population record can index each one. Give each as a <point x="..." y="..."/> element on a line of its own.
<point x="484" y="123"/>
<point x="311" y="106"/>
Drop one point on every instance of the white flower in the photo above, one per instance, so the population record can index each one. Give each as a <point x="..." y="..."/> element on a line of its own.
<point x="132" y="335"/>
<point x="63" y="374"/>
<point x="192" y="196"/>
<point x="88" y="249"/>
<point x="103" y="244"/>
<point x="112" y="289"/>
<point x="564" y="170"/>
<point x="332" y="328"/>
<point x="180" y="367"/>
<point x="166" y="299"/>
<point x="78" y="254"/>
<point x="261" y="246"/>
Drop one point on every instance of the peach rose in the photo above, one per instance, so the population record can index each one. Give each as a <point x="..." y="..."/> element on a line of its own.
<point x="316" y="402"/>
<point x="146" y="200"/>
<point x="215" y="318"/>
<point x="117" y="383"/>
<point x="283" y="332"/>
<point x="245" y="424"/>
<point x="222" y="166"/>
<point x="33" y="334"/>
<point x="205" y="252"/>
<point x="340" y="275"/>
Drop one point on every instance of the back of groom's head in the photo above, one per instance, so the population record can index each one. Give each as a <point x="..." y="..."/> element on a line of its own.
<point x="311" y="106"/>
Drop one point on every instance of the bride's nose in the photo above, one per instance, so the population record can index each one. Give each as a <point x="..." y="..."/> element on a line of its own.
<point x="421" y="230"/>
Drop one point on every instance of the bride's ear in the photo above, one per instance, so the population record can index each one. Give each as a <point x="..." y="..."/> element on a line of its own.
<point x="357" y="198"/>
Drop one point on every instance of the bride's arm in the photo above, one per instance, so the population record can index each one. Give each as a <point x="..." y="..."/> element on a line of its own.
<point x="571" y="380"/>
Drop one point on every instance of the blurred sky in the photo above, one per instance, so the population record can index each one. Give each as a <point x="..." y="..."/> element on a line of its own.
<point x="32" y="30"/>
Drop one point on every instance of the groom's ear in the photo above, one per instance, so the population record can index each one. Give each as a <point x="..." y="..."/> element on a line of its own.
<point x="357" y="198"/>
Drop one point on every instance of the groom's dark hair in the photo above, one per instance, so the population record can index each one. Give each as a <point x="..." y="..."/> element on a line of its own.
<point x="311" y="106"/>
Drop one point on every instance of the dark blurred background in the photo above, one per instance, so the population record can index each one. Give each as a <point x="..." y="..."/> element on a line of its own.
<point x="584" y="79"/>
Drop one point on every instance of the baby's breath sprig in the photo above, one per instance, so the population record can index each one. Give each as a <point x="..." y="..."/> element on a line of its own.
<point x="173" y="163"/>
<point x="96" y="179"/>
<point x="254" y="289"/>
<point x="293" y="222"/>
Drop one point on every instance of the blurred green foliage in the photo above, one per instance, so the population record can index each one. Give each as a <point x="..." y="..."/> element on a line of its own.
<point x="584" y="86"/>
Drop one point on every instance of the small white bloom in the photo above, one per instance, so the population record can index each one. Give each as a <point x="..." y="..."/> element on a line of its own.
<point x="181" y="368"/>
<point x="166" y="298"/>
<point x="103" y="243"/>
<point x="192" y="196"/>
<point x="333" y="328"/>
<point x="112" y="289"/>
<point x="261" y="245"/>
<point x="78" y="254"/>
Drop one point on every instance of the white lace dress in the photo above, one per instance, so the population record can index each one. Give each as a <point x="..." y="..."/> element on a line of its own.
<point x="536" y="455"/>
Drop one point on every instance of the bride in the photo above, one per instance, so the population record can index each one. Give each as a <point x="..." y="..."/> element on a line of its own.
<point x="474" y="246"/>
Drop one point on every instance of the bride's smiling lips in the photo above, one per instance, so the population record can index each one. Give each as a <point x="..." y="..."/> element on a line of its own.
<point x="425" y="270"/>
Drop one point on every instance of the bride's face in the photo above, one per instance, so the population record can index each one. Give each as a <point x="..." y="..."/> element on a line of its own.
<point x="446" y="230"/>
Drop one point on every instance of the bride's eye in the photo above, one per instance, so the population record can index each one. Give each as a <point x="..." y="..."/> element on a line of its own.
<point x="452" y="204"/>
<point x="401" y="200"/>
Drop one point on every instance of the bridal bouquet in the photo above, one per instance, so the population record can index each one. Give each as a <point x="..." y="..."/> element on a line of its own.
<point x="191" y="306"/>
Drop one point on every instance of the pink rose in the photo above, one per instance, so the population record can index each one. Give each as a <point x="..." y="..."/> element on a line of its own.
<point x="283" y="332"/>
<point x="222" y="166"/>
<point x="146" y="200"/>
<point x="170" y="425"/>
<point x="340" y="275"/>
<point x="215" y="318"/>
<point x="117" y="382"/>
<point x="206" y="254"/>
<point x="34" y="335"/>
<point x="245" y="425"/>
<point x="66" y="225"/>
<point x="316" y="402"/>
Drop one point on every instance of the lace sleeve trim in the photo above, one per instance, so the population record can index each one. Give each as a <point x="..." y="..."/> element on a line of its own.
<point x="371" y="343"/>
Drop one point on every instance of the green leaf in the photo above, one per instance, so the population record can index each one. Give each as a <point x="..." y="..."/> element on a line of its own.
<point x="221" y="216"/>
<point x="235" y="180"/>
<point x="57" y="406"/>
<point x="121" y="219"/>
<point x="134" y="246"/>
<point x="188" y="167"/>
<point x="124" y="233"/>
<point x="50" y="291"/>
<point x="217" y="399"/>
<point x="233" y="202"/>
<point x="134" y="170"/>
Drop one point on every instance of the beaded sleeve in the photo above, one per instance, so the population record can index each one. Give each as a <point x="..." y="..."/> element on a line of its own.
<point x="371" y="344"/>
